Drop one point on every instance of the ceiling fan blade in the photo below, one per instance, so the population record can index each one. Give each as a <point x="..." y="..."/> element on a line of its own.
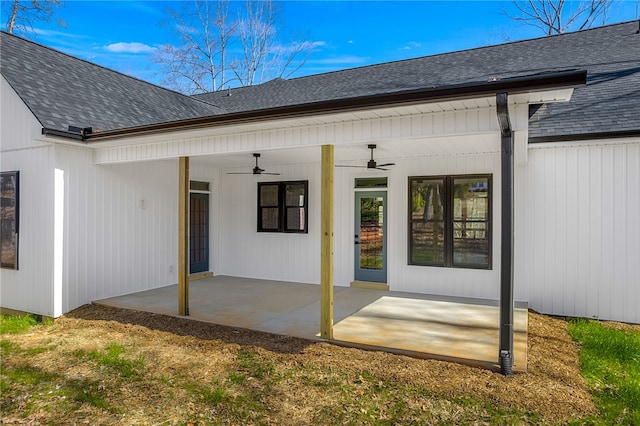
<point x="239" y="173"/>
<point x="386" y="164"/>
<point x="273" y="174"/>
<point x="380" y="168"/>
<point x="346" y="165"/>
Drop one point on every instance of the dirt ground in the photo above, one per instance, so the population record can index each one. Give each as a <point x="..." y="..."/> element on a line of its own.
<point x="553" y="387"/>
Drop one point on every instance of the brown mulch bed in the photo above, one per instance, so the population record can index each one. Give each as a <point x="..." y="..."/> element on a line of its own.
<point x="553" y="387"/>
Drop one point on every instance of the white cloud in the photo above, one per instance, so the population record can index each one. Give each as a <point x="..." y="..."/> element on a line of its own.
<point x="133" y="47"/>
<point x="411" y="45"/>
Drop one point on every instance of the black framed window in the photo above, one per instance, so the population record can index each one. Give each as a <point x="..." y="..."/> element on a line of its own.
<point x="9" y="219"/>
<point x="450" y="221"/>
<point x="282" y="206"/>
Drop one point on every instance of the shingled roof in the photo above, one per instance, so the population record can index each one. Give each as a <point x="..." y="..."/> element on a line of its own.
<point x="608" y="103"/>
<point x="65" y="91"/>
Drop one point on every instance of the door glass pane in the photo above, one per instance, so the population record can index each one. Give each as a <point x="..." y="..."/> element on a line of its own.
<point x="470" y="221"/>
<point x="198" y="233"/>
<point x="371" y="232"/>
<point x="427" y="221"/>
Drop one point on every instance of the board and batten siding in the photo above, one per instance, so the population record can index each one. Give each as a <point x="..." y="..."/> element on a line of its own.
<point x="30" y="288"/>
<point x="578" y="229"/>
<point x="244" y="252"/>
<point x="462" y="282"/>
<point x="120" y="226"/>
<point x="295" y="257"/>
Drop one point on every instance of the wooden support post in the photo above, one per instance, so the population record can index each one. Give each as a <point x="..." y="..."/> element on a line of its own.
<point x="326" y="244"/>
<point x="183" y="238"/>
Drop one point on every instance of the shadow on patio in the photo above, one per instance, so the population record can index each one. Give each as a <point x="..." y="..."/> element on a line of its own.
<point x="427" y="326"/>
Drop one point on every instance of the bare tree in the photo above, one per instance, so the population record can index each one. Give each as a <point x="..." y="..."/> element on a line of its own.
<point x="198" y="63"/>
<point x="23" y="14"/>
<point x="227" y="43"/>
<point x="559" y="16"/>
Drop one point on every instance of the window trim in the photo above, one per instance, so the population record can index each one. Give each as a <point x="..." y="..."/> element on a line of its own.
<point x="15" y="218"/>
<point x="282" y="207"/>
<point x="448" y="203"/>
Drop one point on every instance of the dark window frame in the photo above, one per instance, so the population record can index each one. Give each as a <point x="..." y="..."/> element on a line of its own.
<point x="448" y="221"/>
<point x="10" y="221"/>
<point x="281" y="206"/>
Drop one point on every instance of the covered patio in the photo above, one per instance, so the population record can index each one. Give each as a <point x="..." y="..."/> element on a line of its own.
<point x="449" y="328"/>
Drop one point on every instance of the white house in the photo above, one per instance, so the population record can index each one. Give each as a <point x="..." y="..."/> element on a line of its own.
<point x="92" y="211"/>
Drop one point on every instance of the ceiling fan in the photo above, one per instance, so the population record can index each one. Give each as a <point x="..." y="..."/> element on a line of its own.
<point x="371" y="164"/>
<point x="256" y="170"/>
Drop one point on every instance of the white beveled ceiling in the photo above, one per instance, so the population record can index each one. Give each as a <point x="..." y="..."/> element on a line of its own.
<point x="356" y="153"/>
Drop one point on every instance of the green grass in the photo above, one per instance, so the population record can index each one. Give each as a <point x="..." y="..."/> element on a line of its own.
<point x="610" y="361"/>
<point x="254" y="365"/>
<point x="49" y="390"/>
<point x="113" y="358"/>
<point x="13" y="324"/>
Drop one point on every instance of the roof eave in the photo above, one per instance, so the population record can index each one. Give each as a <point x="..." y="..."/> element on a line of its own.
<point x="60" y="133"/>
<point x="571" y="78"/>
<point x="622" y="134"/>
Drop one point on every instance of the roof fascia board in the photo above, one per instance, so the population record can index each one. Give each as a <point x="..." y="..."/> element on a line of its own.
<point x="62" y="134"/>
<point x="535" y="83"/>
<point x="585" y="136"/>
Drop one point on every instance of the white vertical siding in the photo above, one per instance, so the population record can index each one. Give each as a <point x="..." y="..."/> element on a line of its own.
<point x="578" y="230"/>
<point x="113" y="245"/>
<point x="31" y="287"/>
<point x="438" y="280"/>
<point x="293" y="257"/>
<point x="244" y="252"/>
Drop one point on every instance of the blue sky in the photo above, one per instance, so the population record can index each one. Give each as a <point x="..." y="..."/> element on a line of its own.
<point x="122" y="35"/>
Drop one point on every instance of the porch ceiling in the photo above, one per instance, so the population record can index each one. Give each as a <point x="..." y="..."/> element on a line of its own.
<point x="356" y="153"/>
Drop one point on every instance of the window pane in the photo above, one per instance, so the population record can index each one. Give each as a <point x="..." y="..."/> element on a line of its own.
<point x="427" y="242"/>
<point x="470" y="198"/>
<point x="268" y="195"/>
<point x="427" y="217"/>
<point x="270" y="218"/>
<point x="296" y="219"/>
<point x="294" y="195"/>
<point x="470" y="221"/>
<point x="195" y="185"/>
<point x="427" y="199"/>
<point x="378" y="182"/>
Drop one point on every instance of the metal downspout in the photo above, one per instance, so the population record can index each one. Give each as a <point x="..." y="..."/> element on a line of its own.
<point x="506" y="255"/>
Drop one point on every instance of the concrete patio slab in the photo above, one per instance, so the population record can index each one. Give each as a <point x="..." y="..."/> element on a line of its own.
<point x="458" y="329"/>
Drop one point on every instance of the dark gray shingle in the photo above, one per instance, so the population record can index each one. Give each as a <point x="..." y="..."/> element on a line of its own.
<point x="609" y="102"/>
<point x="64" y="91"/>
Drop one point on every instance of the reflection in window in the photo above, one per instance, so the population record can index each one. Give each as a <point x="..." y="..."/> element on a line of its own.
<point x="470" y="221"/>
<point x="282" y="206"/>
<point x="449" y="223"/>
<point x="427" y="221"/>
